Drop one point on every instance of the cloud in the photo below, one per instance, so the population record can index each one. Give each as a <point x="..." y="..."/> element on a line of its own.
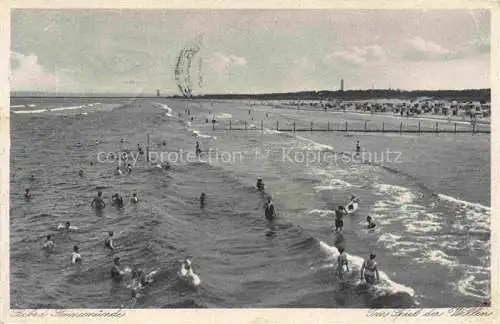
<point x="475" y="47"/>
<point x="28" y="74"/>
<point x="417" y="48"/>
<point x="222" y="64"/>
<point x="359" y="55"/>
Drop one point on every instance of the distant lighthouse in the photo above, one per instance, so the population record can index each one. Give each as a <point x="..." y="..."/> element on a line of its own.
<point x="341" y="84"/>
<point x="157" y="92"/>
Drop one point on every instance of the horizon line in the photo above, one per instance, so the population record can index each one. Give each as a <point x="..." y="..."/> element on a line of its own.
<point x="168" y="94"/>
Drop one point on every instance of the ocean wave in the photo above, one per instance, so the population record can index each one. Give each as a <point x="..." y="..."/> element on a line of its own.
<point x="272" y="131"/>
<point x="224" y="116"/>
<point x="36" y="111"/>
<point x="465" y="204"/>
<point x="313" y="144"/>
<point x="440" y="257"/>
<point x="400" y="195"/>
<point x="67" y="108"/>
<point x="197" y="133"/>
<point x="471" y="220"/>
<point x="385" y="287"/>
<point x="475" y="283"/>
<point x="322" y="212"/>
<point x="166" y="107"/>
<point x="334" y="184"/>
<point x="23" y="106"/>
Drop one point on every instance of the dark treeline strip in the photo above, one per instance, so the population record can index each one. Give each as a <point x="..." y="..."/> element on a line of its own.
<point x="461" y="95"/>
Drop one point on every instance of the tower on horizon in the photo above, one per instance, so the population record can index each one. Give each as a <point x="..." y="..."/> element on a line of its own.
<point x="157" y="92"/>
<point x="341" y="84"/>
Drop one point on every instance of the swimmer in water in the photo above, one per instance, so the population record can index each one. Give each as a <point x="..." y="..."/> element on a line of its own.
<point x="369" y="270"/>
<point x="269" y="209"/>
<point x="122" y="140"/>
<point x="339" y="218"/>
<point x="197" y="149"/>
<point x="48" y="244"/>
<point x="358" y="148"/>
<point x="354" y="198"/>
<point x="165" y="165"/>
<point x="342" y="264"/>
<point x="66" y="227"/>
<point x="116" y="271"/>
<point x="108" y="242"/>
<point x="371" y="224"/>
<point x="187" y="274"/>
<point x="141" y="279"/>
<point x="27" y="194"/>
<point x="202" y="199"/>
<point x="118" y="171"/>
<point x="32" y="178"/>
<point x="76" y="258"/>
<point x="98" y="202"/>
<point x="96" y="142"/>
<point x="134" y="199"/>
<point x="80" y="173"/>
<point x="129" y="168"/>
<point x="260" y="184"/>
<point x="117" y="201"/>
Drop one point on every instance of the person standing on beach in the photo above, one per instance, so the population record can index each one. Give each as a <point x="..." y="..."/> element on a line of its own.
<point x="358" y="147"/>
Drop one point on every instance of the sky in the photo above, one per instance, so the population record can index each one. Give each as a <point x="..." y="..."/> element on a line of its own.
<point x="248" y="51"/>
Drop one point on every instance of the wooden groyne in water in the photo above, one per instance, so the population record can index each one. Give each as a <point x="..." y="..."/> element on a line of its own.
<point x="417" y="128"/>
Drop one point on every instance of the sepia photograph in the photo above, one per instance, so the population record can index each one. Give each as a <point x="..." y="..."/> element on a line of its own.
<point x="250" y="158"/>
